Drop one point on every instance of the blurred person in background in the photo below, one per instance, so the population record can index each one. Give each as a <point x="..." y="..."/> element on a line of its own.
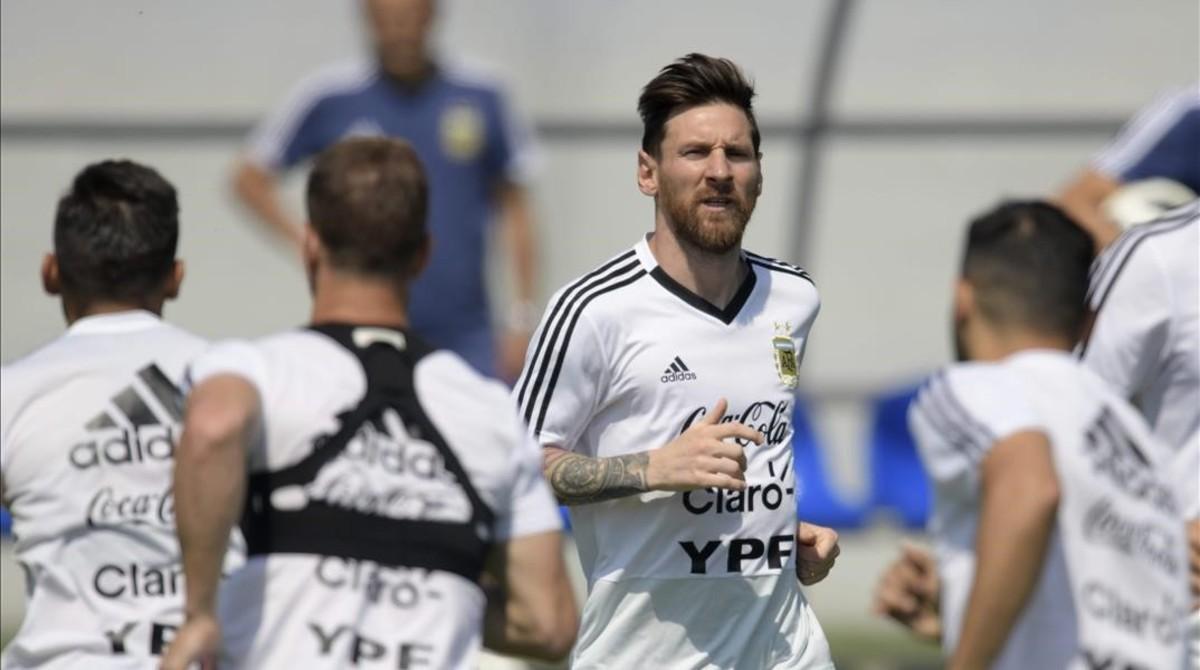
<point x="1153" y="164"/>
<point x="88" y="425"/>
<point x="1144" y="342"/>
<point x="478" y="156"/>
<point x="378" y="480"/>
<point x="1042" y="471"/>
<point x="661" y="390"/>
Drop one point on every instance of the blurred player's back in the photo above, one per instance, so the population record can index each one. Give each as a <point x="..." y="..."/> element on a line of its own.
<point x="90" y="423"/>
<point x="1085" y="604"/>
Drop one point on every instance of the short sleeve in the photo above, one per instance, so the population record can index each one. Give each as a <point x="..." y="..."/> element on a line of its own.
<point x="963" y="411"/>
<point x="1157" y="142"/>
<point x="1130" y="298"/>
<point x="289" y="133"/>
<point x="560" y="387"/>
<point x="530" y="507"/>
<point x="233" y="357"/>
<point x="513" y="153"/>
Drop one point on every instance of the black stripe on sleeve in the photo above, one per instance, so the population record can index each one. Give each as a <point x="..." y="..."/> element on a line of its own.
<point x="563" y="309"/>
<point x="555" y="313"/>
<point x="934" y="409"/>
<point x="562" y="353"/>
<point x="778" y="266"/>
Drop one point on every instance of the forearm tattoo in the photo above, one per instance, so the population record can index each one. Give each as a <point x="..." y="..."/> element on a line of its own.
<point x="578" y="479"/>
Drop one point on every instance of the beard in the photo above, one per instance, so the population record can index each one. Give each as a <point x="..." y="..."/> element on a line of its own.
<point x="714" y="232"/>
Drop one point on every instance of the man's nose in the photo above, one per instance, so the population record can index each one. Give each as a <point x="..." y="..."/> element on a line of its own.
<point x="717" y="168"/>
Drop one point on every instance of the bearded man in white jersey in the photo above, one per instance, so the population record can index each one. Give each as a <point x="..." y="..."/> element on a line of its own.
<point x="88" y="425"/>
<point x="661" y="388"/>
<point x="1059" y="543"/>
<point x="378" y="482"/>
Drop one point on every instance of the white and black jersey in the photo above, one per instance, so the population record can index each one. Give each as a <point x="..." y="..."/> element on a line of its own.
<point x="1145" y="340"/>
<point x="626" y="359"/>
<point x="88" y="425"/>
<point x="384" y="473"/>
<point x="1113" y="587"/>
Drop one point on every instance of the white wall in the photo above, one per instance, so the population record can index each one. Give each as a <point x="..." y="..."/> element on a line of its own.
<point x="888" y="212"/>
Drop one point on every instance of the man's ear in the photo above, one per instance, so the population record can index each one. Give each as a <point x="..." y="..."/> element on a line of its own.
<point x="964" y="300"/>
<point x="51" y="280"/>
<point x="421" y="259"/>
<point x="759" y="181"/>
<point x="174" y="281"/>
<point x="647" y="173"/>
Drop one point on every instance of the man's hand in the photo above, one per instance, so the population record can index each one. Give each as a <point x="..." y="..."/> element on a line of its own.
<point x="816" y="550"/>
<point x="197" y="641"/>
<point x="510" y="354"/>
<point x="701" y="457"/>
<point x="909" y="592"/>
<point x="1193" y="529"/>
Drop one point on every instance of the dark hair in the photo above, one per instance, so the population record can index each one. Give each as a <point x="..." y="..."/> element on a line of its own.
<point x="367" y="199"/>
<point x="115" y="232"/>
<point x="691" y="81"/>
<point x="1028" y="262"/>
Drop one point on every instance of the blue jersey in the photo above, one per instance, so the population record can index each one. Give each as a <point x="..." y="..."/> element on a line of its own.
<point x="468" y="142"/>
<point x="1163" y="140"/>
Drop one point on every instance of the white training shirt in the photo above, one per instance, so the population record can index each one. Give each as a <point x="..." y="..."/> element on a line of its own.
<point x="625" y="359"/>
<point x="1145" y="341"/>
<point x="1113" y="586"/>
<point x="310" y="611"/>
<point x="88" y="425"/>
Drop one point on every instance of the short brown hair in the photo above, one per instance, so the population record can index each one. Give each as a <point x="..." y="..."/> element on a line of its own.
<point x="367" y="200"/>
<point x="691" y="81"/>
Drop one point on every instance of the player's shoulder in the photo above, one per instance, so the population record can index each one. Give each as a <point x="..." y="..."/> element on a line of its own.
<point x="776" y="266"/>
<point x="1176" y="232"/>
<point x="601" y="292"/>
<point x="977" y="403"/>
<point x="333" y="80"/>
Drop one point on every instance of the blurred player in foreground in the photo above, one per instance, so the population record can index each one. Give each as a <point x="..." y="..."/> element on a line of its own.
<point x="661" y="388"/>
<point x="377" y="480"/>
<point x="88" y="425"/>
<point x="1058" y="543"/>
<point x="1144" y="343"/>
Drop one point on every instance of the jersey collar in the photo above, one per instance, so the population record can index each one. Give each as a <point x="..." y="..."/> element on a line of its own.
<point x="726" y="315"/>
<point x="117" y="322"/>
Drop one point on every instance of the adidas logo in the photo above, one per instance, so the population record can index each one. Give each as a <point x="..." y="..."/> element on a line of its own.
<point x="677" y="371"/>
<point x="146" y="412"/>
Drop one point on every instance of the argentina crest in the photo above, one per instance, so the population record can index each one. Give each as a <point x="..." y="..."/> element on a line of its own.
<point x="785" y="355"/>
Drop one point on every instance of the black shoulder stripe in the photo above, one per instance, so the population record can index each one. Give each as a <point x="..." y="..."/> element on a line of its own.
<point x="1123" y="246"/>
<point x="556" y="313"/>
<point x="1105" y="276"/>
<point x="562" y="353"/>
<point x="955" y="434"/>
<point x="553" y="332"/>
<point x="782" y="268"/>
<point x="958" y="413"/>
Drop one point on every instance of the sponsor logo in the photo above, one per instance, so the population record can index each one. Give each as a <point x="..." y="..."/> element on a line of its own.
<point x="385" y="470"/>
<point x="1105" y="604"/>
<point x="1099" y="660"/>
<point x="141" y="425"/>
<point x="161" y="635"/>
<point x="138" y="581"/>
<point x="767" y="417"/>
<point x="403" y="589"/>
<point x="344" y="642"/>
<point x="737" y="551"/>
<point x="1115" y="456"/>
<point x="677" y="371"/>
<point x="1139" y="539"/>
<point x="109" y="507"/>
